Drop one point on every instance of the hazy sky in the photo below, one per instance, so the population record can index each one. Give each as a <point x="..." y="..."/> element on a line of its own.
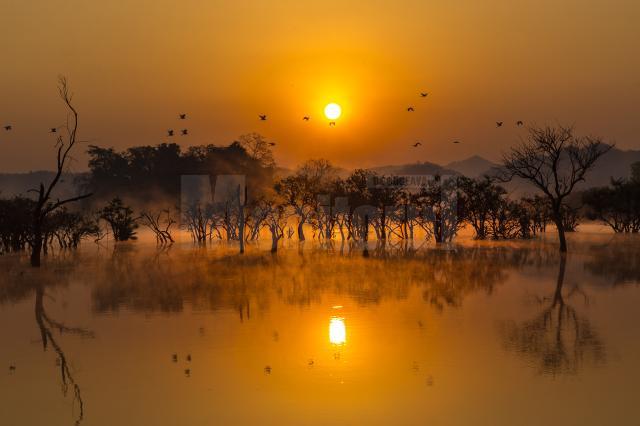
<point x="135" y="64"/>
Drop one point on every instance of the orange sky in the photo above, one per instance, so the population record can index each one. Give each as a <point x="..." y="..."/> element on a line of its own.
<point x="135" y="64"/>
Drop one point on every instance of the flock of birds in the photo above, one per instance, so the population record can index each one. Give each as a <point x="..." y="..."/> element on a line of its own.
<point x="183" y="132"/>
<point x="264" y="117"/>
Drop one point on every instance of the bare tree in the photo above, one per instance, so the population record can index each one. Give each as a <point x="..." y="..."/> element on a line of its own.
<point x="275" y="221"/>
<point x="160" y="223"/>
<point x="301" y="190"/>
<point x="554" y="160"/>
<point x="45" y="204"/>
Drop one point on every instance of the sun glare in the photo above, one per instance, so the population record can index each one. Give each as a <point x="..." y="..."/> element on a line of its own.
<point x="337" y="331"/>
<point x="332" y="111"/>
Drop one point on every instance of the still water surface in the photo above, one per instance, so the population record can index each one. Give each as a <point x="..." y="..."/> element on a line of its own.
<point x="472" y="334"/>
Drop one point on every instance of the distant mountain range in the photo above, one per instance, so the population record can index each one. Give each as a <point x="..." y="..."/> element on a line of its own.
<point x="614" y="164"/>
<point x="21" y="183"/>
<point x="473" y="166"/>
<point x="419" y="168"/>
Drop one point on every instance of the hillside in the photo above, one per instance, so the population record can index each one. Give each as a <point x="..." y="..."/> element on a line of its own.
<point x="615" y="164"/>
<point x="12" y="184"/>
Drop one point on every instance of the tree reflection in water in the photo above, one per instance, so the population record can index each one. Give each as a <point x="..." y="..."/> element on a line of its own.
<point x="209" y="281"/>
<point x="17" y="285"/>
<point x="46" y="324"/>
<point x="558" y="340"/>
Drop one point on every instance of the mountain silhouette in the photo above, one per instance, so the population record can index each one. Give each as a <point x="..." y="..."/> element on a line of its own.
<point x="614" y="164"/>
<point x="474" y="166"/>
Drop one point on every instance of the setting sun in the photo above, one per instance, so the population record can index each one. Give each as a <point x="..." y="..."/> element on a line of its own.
<point x="332" y="111"/>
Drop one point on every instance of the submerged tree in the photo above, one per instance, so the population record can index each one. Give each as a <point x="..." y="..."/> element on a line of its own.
<point x="617" y="205"/>
<point x="160" y="224"/>
<point x="482" y="199"/>
<point x="120" y="219"/>
<point x="554" y="160"/>
<point x="45" y="203"/>
<point x="441" y="209"/>
<point x="301" y="190"/>
<point x="15" y="223"/>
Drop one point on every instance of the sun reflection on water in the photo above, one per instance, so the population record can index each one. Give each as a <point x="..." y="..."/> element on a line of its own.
<point x="337" y="331"/>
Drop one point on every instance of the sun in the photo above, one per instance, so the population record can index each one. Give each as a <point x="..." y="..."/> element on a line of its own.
<point x="332" y="111"/>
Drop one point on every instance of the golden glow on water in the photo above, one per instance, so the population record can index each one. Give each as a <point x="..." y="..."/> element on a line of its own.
<point x="337" y="331"/>
<point x="439" y="334"/>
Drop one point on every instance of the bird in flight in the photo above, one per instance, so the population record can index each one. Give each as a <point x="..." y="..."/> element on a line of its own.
<point x="424" y="94"/>
<point x="519" y="123"/>
<point x="8" y="127"/>
<point x="183" y="116"/>
<point x="410" y="109"/>
<point x="272" y="144"/>
<point x="499" y="123"/>
<point x="170" y="132"/>
<point x="263" y="117"/>
<point x="53" y="130"/>
<point x="332" y="124"/>
<point x="306" y="118"/>
<point x="417" y="144"/>
<point x="184" y="132"/>
<point x="456" y="141"/>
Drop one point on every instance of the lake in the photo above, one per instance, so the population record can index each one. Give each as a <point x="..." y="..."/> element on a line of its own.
<point x="473" y="333"/>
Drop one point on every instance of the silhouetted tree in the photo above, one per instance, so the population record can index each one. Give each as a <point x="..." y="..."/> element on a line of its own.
<point x="537" y="208"/>
<point x="617" y="205"/>
<point x="200" y="221"/>
<point x="300" y="191"/>
<point x="276" y="220"/>
<point x="481" y="197"/>
<point x="69" y="228"/>
<point x="635" y="172"/>
<point x="120" y="219"/>
<point x="45" y="204"/>
<point x="554" y="160"/>
<point x="384" y="197"/>
<point x="441" y="209"/>
<point x="15" y="223"/>
<point x="258" y="148"/>
<point x="152" y="172"/>
<point x="160" y="224"/>
<point x="360" y="211"/>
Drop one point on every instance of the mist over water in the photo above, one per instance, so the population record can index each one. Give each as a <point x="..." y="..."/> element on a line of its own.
<point x="471" y="333"/>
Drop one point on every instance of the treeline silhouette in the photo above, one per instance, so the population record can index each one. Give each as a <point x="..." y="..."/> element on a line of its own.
<point x="152" y="173"/>
<point x="141" y="186"/>
<point x="617" y="205"/>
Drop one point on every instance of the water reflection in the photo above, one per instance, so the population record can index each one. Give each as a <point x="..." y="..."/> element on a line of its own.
<point x="46" y="324"/>
<point x="260" y="322"/>
<point x="558" y="340"/>
<point x="214" y="281"/>
<point x="337" y="331"/>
